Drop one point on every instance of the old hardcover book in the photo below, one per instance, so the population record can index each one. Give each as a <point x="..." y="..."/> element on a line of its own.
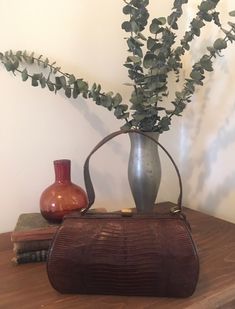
<point x="30" y="257"/>
<point x="33" y="227"/>
<point x="31" y="245"/>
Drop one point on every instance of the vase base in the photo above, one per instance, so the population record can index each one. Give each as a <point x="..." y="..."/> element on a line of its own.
<point x="57" y="216"/>
<point x="145" y="210"/>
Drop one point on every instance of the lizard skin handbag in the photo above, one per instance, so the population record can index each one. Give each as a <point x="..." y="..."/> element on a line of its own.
<point x="124" y="254"/>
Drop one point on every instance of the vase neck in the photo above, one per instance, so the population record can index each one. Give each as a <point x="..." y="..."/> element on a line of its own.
<point x="136" y="138"/>
<point x="62" y="171"/>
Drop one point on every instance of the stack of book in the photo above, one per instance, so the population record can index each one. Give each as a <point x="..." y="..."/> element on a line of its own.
<point x="31" y="238"/>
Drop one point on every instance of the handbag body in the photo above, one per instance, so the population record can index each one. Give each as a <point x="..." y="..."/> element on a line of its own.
<point x="124" y="253"/>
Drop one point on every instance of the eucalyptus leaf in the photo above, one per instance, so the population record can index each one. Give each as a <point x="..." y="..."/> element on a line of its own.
<point x="9" y="66"/>
<point x="127" y="126"/>
<point x="37" y="76"/>
<point x="43" y="82"/>
<point x="164" y="123"/>
<point x="178" y="3"/>
<point x="141" y="36"/>
<point x="129" y="84"/>
<point x="215" y="16"/>
<point x="55" y="70"/>
<point x="149" y="60"/>
<point x="30" y="59"/>
<point x="93" y="88"/>
<point x="118" y="112"/>
<point x="19" y="53"/>
<point x="196" y="75"/>
<point x="197" y="23"/>
<point x="151" y="44"/>
<point x="117" y="100"/>
<point x="220" y="44"/>
<point x="231" y="25"/>
<point x="172" y="19"/>
<point x="24" y="75"/>
<point x="58" y="83"/>
<point x="106" y="101"/>
<point x="63" y="82"/>
<point x="50" y="85"/>
<point x="229" y="35"/>
<point x="126" y="25"/>
<point x="206" y="6"/>
<point x="34" y="82"/>
<point x="212" y="50"/>
<point x="206" y="16"/>
<point x="154" y="27"/>
<point x="232" y="13"/>
<point x="45" y="63"/>
<point x="72" y="79"/>
<point x="68" y="92"/>
<point x="129" y="66"/>
<point x="139" y="116"/>
<point x="162" y="20"/>
<point x="85" y="94"/>
<point x="134" y="59"/>
<point x="134" y="47"/>
<point x="180" y="106"/>
<point x="127" y="9"/>
<point x="206" y="63"/>
<point x="134" y="26"/>
<point x="155" y="85"/>
<point x="98" y="88"/>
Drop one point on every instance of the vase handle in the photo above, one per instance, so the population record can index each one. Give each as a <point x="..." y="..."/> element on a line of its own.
<point x="87" y="177"/>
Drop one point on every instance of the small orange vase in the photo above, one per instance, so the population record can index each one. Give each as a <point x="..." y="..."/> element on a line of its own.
<point x="62" y="197"/>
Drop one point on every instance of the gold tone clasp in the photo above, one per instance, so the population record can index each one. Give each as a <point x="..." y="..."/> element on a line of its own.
<point x="126" y="212"/>
<point x="175" y="210"/>
<point x="83" y="211"/>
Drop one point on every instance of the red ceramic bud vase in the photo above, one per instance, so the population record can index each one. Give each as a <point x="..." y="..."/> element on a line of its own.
<point x="62" y="197"/>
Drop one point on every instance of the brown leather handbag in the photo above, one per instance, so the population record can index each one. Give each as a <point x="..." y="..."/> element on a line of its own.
<point x="112" y="253"/>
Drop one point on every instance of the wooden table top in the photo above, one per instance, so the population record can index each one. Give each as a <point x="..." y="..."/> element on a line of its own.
<point x="26" y="286"/>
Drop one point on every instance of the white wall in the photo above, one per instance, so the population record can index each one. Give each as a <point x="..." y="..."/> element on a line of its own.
<point x="208" y="131"/>
<point x="37" y="127"/>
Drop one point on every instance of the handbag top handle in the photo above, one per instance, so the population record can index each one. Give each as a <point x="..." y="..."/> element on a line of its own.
<point x="87" y="178"/>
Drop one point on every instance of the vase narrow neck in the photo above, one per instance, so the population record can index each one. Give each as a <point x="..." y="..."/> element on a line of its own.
<point x="62" y="170"/>
<point x="141" y="140"/>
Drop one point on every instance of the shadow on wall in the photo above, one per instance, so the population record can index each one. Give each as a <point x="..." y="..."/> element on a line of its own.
<point x="208" y="176"/>
<point x="92" y="115"/>
<point x="109" y="179"/>
<point x="208" y="135"/>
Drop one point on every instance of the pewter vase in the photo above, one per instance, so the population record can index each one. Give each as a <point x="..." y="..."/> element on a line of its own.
<point x="144" y="170"/>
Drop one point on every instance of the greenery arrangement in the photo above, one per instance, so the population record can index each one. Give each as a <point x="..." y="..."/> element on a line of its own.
<point x="150" y="62"/>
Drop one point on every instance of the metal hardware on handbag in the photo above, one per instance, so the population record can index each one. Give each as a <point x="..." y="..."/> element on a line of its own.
<point x="126" y="212"/>
<point x="124" y="253"/>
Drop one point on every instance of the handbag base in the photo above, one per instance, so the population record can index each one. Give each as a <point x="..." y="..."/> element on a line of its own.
<point x="114" y="255"/>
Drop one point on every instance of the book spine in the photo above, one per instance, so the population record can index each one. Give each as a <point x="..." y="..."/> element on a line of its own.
<point x="34" y="234"/>
<point x="26" y="246"/>
<point x="31" y="257"/>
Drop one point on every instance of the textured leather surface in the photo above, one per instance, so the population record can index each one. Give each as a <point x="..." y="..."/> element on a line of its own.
<point x="124" y="256"/>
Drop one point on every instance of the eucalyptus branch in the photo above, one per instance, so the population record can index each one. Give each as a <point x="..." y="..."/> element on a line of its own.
<point x="67" y="82"/>
<point x="177" y="12"/>
<point x="149" y="72"/>
<point x="206" y="13"/>
<point x="197" y="75"/>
